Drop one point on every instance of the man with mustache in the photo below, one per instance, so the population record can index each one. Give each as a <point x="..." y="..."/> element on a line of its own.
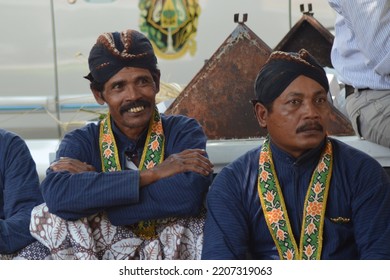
<point x="136" y="166"/>
<point x="301" y="194"/>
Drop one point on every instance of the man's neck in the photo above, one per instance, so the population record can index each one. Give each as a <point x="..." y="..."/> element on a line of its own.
<point x="302" y="157"/>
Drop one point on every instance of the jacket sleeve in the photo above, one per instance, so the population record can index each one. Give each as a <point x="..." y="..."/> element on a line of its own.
<point x="20" y="186"/>
<point x="73" y="196"/>
<point x="371" y="213"/>
<point x="226" y="231"/>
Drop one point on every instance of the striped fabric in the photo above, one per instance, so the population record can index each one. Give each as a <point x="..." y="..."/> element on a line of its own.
<point x="357" y="213"/>
<point x="19" y="192"/>
<point x="361" y="49"/>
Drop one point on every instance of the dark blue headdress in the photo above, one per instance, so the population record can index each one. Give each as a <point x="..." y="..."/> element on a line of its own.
<point x="281" y="69"/>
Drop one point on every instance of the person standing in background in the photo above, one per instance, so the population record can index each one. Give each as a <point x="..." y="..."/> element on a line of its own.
<point x="361" y="57"/>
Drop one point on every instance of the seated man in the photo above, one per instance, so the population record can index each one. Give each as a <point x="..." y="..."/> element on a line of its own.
<point x="122" y="184"/>
<point x="301" y="194"/>
<point x="19" y="193"/>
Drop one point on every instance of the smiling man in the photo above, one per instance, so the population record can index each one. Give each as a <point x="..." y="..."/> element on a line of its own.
<point x="132" y="169"/>
<point x="301" y="194"/>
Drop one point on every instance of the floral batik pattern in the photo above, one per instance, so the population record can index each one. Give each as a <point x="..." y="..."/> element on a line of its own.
<point x="275" y="211"/>
<point x="95" y="238"/>
<point x="33" y="251"/>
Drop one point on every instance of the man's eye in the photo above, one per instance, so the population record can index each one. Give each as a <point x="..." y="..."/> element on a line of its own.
<point x="117" y="86"/>
<point x="144" y="81"/>
<point x="321" y="100"/>
<point x="294" y="101"/>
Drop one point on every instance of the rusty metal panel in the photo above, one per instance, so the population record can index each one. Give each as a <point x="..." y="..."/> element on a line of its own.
<point x="219" y="95"/>
<point x="310" y="34"/>
<point x="339" y="125"/>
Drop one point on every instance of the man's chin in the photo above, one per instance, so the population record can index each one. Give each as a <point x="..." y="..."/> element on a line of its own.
<point x="136" y="124"/>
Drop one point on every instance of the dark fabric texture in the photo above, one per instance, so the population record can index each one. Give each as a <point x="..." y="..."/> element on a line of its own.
<point x="19" y="192"/>
<point x="281" y="69"/>
<point x="359" y="191"/>
<point x="73" y="196"/>
<point x="114" y="51"/>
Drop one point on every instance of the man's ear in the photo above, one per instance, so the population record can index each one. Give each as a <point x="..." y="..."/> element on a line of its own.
<point x="98" y="96"/>
<point x="156" y="78"/>
<point x="261" y="114"/>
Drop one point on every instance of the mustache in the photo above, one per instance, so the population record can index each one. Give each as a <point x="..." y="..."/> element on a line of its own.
<point x="126" y="107"/>
<point x="310" y="126"/>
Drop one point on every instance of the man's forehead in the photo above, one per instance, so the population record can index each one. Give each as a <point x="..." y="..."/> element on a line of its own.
<point x="304" y="84"/>
<point x="131" y="73"/>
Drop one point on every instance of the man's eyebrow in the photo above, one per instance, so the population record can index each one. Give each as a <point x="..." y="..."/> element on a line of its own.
<point x="321" y="91"/>
<point x="299" y="94"/>
<point x="294" y="94"/>
<point x="117" y="83"/>
<point x="147" y="77"/>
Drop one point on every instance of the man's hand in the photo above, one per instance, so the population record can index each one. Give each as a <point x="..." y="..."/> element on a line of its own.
<point x="188" y="160"/>
<point x="71" y="165"/>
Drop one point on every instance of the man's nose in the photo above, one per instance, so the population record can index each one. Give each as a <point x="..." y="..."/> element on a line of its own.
<point x="311" y="110"/>
<point x="130" y="92"/>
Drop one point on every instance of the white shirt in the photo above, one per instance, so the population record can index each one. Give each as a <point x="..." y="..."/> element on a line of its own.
<point x="361" y="48"/>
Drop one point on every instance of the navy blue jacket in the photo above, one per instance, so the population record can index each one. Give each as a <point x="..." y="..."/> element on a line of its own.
<point x="72" y="196"/>
<point x="359" y="191"/>
<point x="19" y="192"/>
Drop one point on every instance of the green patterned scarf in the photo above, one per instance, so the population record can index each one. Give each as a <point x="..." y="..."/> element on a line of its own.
<point x="275" y="211"/>
<point x="152" y="155"/>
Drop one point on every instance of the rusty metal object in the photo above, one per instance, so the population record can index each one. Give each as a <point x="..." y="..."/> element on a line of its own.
<point x="310" y="34"/>
<point x="219" y="95"/>
<point x="339" y="124"/>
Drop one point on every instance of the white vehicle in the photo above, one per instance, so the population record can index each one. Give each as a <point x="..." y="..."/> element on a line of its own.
<point x="45" y="44"/>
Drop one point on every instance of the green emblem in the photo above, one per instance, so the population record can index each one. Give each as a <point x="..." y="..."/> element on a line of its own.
<point x="170" y="25"/>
